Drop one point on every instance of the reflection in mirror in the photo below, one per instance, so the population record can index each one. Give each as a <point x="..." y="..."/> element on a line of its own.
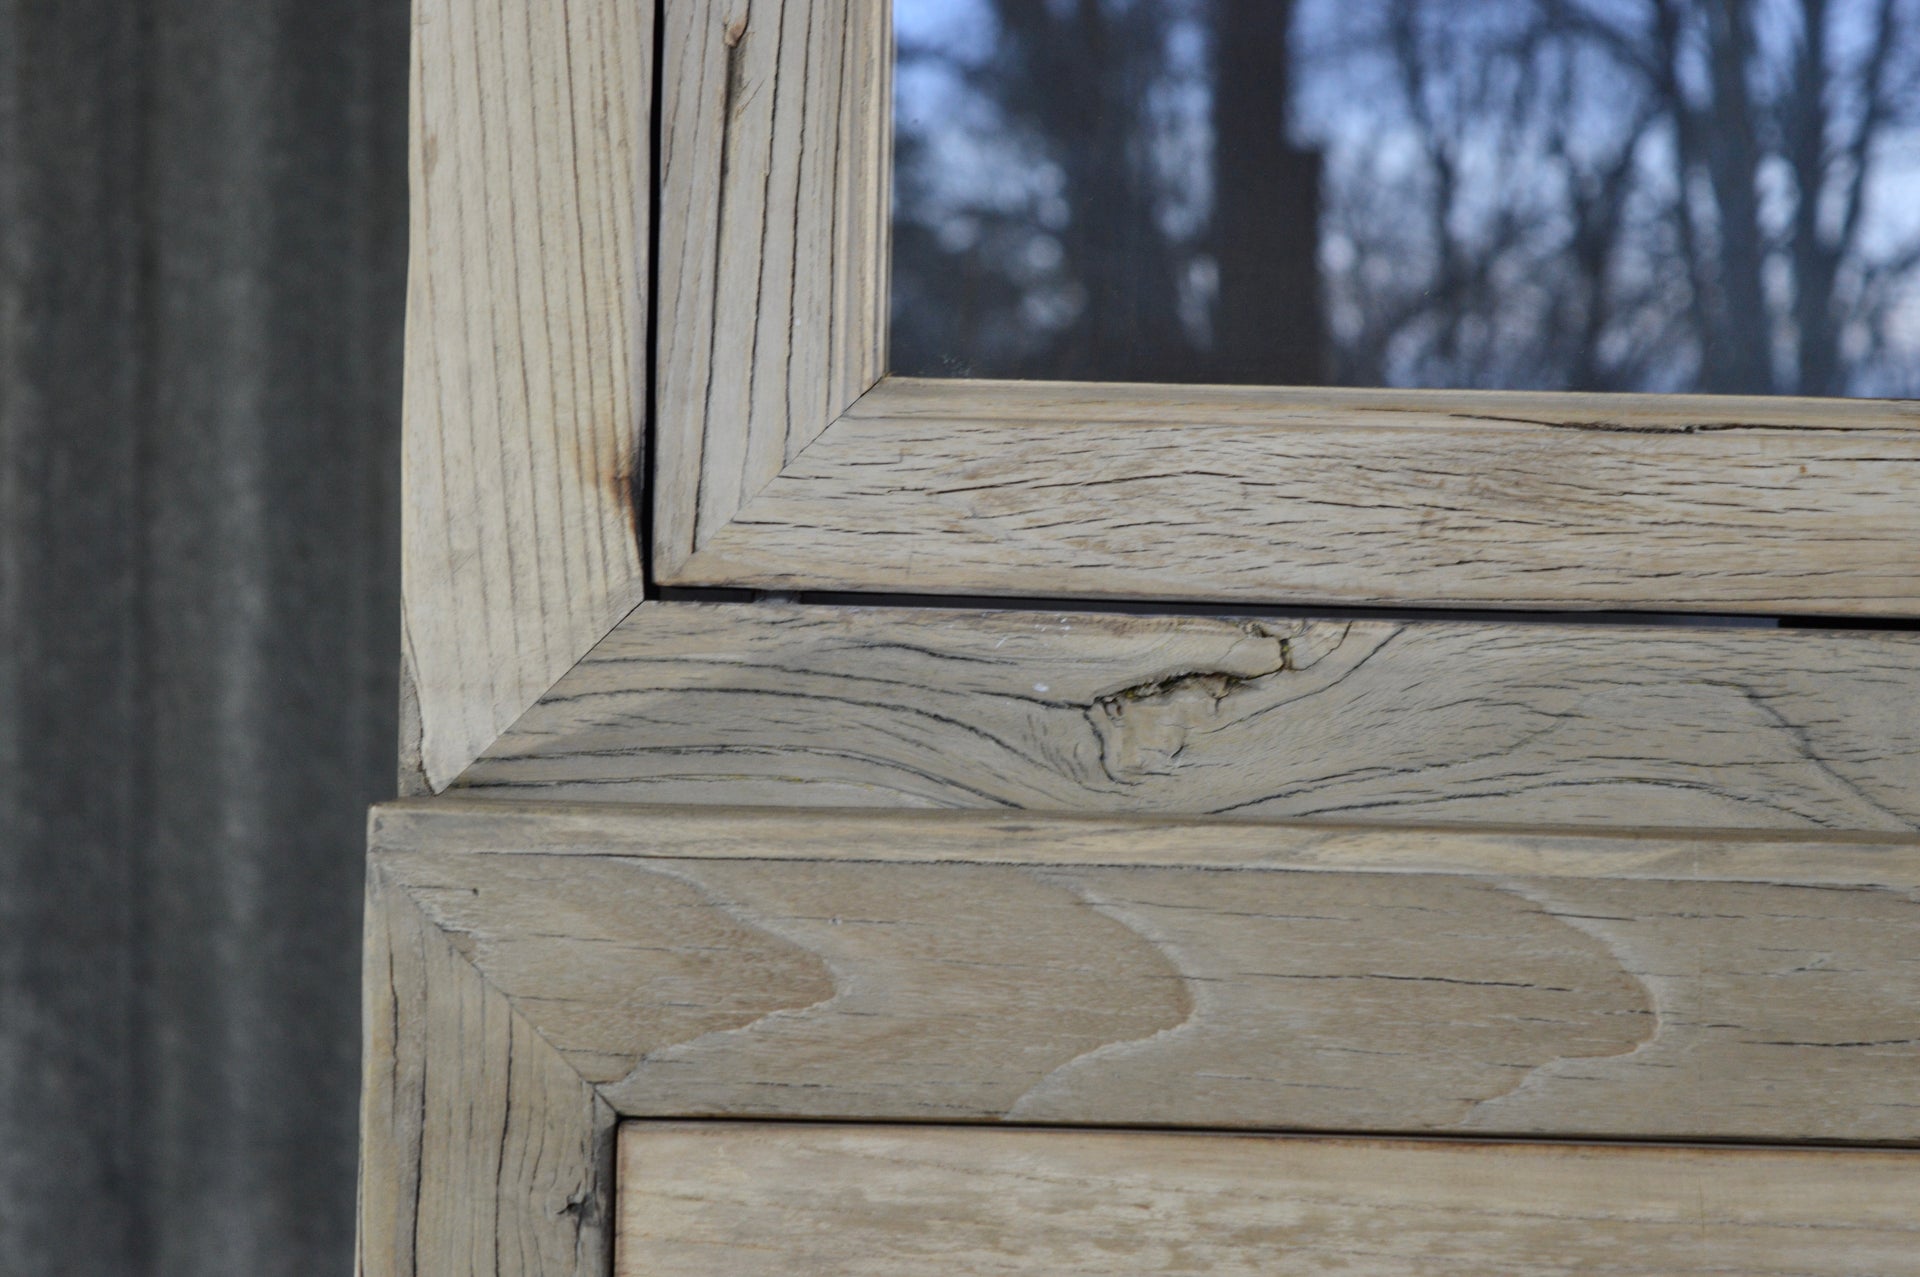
<point x="1658" y="195"/>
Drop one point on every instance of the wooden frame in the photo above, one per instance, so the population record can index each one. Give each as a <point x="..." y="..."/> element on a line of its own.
<point x="537" y="972"/>
<point x="530" y="305"/>
<point x="787" y="460"/>
<point x="766" y="1200"/>
<point x="537" y="669"/>
<point x="525" y="360"/>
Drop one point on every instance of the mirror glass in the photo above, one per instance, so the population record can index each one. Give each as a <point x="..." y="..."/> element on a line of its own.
<point x="1607" y="195"/>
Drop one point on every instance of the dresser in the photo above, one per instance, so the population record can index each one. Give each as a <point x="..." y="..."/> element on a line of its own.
<point x="868" y="824"/>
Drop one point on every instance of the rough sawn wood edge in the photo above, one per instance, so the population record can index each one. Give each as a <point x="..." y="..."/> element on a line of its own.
<point x="525" y="359"/>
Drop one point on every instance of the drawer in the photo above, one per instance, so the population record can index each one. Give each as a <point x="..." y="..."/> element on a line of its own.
<point x="767" y="1200"/>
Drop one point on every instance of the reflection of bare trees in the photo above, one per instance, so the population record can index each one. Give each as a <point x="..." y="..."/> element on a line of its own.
<point x="1693" y="194"/>
<point x="1088" y="234"/>
<point x="1590" y="194"/>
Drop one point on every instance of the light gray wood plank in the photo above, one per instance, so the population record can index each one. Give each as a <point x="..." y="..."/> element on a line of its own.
<point x="1381" y="721"/>
<point x="1442" y="499"/>
<point x="775" y="193"/>
<point x="526" y="322"/>
<point x="741" y="1200"/>
<point x="937" y="966"/>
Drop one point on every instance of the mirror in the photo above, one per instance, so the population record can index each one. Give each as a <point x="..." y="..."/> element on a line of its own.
<point x="1600" y="195"/>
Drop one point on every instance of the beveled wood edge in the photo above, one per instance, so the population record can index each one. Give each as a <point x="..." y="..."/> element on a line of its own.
<point x="525" y="358"/>
<point x="481" y="1149"/>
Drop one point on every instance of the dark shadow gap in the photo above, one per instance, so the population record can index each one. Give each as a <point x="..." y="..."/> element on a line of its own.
<point x="1172" y="607"/>
<point x="1412" y="1136"/>
<point x="641" y="496"/>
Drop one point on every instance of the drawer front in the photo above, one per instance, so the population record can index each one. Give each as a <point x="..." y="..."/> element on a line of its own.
<point x="760" y="1200"/>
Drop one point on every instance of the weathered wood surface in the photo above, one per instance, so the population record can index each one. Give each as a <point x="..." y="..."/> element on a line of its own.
<point x="742" y="1200"/>
<point x="526" y="322"/>
<point x="775" y="186"/>
<point x="943" y="966"/>
<point x="1381" y="721"/>
<point x="788" y="462"/>
<point x="1451" y="499"/>
<point x="483" y="1152"/>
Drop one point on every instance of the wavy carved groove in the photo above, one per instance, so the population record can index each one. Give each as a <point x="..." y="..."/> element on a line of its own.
<point x="952" y="967"/>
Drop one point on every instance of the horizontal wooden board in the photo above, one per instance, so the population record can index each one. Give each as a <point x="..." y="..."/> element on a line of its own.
<point x="743" y="1200"/>
<point x="937" y="966"/>
<point x="1373" y="720"/>
<point x="1430" y="498"/>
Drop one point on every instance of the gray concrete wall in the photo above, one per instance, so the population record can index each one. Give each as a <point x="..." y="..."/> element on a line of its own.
<point x="202" y="231"/>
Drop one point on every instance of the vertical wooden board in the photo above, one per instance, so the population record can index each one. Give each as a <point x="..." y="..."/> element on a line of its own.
<point x="726" y="1200"/>
<point x="775" y="178"/>
<point x="525" y="373"/>
<point x="482" y="1151"/>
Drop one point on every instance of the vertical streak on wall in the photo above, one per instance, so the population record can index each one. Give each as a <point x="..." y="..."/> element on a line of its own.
<point x="200" y="305"/>
<point x="70" y="382"/>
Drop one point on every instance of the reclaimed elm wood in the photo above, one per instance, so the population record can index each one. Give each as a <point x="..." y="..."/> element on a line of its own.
<point x="535" y="969"/>
<point x="969" y="967"/>
<point x="525" y="367"/>
<point x="788" y="461"/>
<point x="1370" y="720"/>
<point x="482" y="1151"/>
<point x="1443" y="499"/>
<point x="748" y="1200"/>
<point x="776" y="152"/>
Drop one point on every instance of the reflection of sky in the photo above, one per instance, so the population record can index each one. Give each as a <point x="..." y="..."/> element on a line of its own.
<point x="964" y="29"/>
<point x="1349" y="105"/>
<point x="971" y="161"/>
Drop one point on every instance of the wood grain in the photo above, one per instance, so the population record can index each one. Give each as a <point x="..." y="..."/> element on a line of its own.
<point x="787" y="461"/>
<point x="524" y="369"/>
<point x="740" y="1200"/>
<point x="1441" y="499"/>
<point x="482" y="1150"/>
<point x="945" y="966"/>
<point x="1381" y="721"/>
<point x="775" y="180"/>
